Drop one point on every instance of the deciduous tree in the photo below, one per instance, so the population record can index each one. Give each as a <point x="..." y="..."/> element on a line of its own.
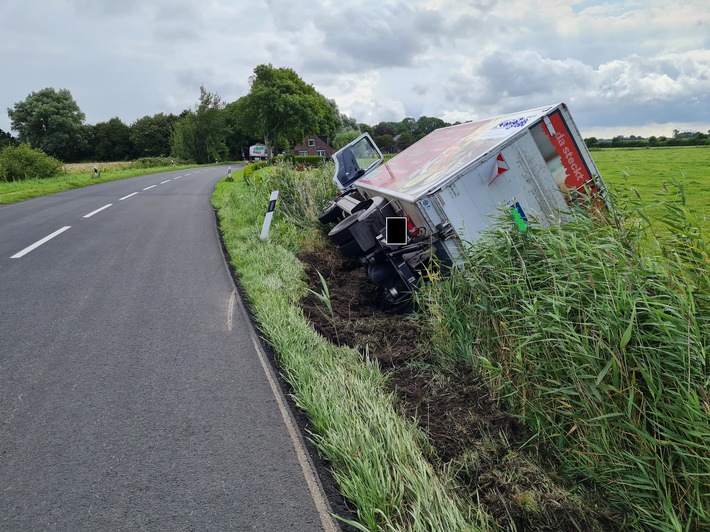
<point x="6" y="139"/>
<point x="282" y="108"/>
<point x="151" y="135"/>
<point x="200" y="134"/>
<point x="51" y="121"/>
<point x="113" y="141"/>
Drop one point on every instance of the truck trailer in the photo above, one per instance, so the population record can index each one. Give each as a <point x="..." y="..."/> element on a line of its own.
<point x="439" y="195"/>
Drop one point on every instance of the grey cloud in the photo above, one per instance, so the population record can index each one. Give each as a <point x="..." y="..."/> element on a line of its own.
<point x="381" y="36"/>
<point x="510" y="79"/>
<point x="106" y="7"/>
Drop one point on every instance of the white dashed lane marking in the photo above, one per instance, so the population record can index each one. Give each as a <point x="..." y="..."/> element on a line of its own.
<point x="97" y="210"/>
<point x="40" y="242"/>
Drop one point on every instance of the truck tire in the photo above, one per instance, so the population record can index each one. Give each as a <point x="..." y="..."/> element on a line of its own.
<point x="379" y="209"/>
<point x="330" y="213"/>
<point x="340" y="234"/>
<point x="350" y="249"/>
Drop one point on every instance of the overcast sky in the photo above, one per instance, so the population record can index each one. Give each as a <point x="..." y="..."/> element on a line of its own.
<point x="624" y="67"/>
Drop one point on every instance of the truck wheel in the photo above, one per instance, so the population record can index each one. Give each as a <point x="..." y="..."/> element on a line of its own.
<point x="340" y="234"/>
<point x="350" y="249"/>
<point x="379" y="209"/>
<point x="330" y="213"/>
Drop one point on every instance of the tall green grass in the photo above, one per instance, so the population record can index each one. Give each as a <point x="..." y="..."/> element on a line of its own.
<point x="378" y="459"/>
<point x="596" y="334"/>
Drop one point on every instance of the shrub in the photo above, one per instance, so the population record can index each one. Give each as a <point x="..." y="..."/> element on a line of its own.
<point x="301" y="194"/>
<point x="309" y="161"/>
<point x="24" y="162"/>
<point x="152" y="162"/>
<point x="251" y="168"/>
<point x="285" y="158"/>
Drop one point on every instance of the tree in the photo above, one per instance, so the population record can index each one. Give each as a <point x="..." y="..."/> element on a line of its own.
<point x="384" y="142"/>
<point x="282" y="108"/>
<point x="366" y="129"/>
<point x="151" y="135"/>
<point x="345" y="137"/>
<point x="51" y="121"/>
<point x="426" y="125"/>
<point x="404" y="140"/>
<point x="239" y="136"/>
<point x="113" y="141"/>
<point x="6" y="139"/>
<point x="200" y="134"/>
<point x="384" y="128"/>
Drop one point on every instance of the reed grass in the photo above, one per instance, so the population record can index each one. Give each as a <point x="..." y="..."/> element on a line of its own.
<point x="596" y="334"/>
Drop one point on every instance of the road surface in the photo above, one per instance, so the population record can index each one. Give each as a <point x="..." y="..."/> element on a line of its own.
<point x="132" y="393"/>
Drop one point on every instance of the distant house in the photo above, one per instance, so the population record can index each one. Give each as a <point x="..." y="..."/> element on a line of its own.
<point x="314" y="145"/>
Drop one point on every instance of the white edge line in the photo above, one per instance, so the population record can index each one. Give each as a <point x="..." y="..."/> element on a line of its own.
<point x="40" y="242"/>
<point x="126" y="197"/>
<point x="97" y="210"/>
<point x="166" y="181"/>
<point x="230" y="312"/>
<point x="151" y="186"/>
<point x="303" y="460"/>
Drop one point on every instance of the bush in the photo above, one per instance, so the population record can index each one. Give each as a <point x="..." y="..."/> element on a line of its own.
<point x="301" y="194"/>
<point x="309" y="161"/>
<point x="152" y="162"/>
<point x="285" y="158"/>
<point x="24" y="162"/>
<point x="251" y="168"/>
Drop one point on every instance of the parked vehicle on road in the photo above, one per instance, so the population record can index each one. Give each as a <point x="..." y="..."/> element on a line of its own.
<point x="446" y="189"/>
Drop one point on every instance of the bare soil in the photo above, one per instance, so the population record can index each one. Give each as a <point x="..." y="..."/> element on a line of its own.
<point x="470" y="433"/>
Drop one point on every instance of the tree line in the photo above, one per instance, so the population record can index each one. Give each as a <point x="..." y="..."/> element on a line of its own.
<point x="679" y="138"/>
<point x="279" y="111"/>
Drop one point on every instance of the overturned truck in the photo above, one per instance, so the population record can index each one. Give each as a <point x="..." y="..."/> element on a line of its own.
<point x="447" y="188"/>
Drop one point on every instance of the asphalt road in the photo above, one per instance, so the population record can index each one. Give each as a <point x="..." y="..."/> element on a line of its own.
<point x="132" y="393"/>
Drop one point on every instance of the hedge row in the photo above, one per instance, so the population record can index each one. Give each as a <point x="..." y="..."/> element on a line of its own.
<point x="22" y="162"/>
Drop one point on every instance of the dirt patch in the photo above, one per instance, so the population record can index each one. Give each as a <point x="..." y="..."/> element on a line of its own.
<point x="470" y="434"/>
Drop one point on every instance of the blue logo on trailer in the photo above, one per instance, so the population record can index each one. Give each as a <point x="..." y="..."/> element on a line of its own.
<point x="515" y="123"/>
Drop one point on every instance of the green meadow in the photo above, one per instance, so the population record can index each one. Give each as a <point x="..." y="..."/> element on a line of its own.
<point x="650" y="171"/>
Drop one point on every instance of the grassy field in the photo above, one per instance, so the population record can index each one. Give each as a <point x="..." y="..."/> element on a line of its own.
<point x="649" y="171"/>
<point x="76" y="176"/>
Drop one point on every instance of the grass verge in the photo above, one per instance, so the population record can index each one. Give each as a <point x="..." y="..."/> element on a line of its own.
<point x="378" y="459"/>
<point x="14" y="191"/>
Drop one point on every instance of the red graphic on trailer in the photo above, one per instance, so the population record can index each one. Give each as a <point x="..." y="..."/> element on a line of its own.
<point x="577" y="175"/>
<point x="500" y="167"/>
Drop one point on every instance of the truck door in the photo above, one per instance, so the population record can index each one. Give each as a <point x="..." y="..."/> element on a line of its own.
<point x="355" y="160"/>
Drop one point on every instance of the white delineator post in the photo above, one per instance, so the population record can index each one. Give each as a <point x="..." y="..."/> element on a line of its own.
<point x="269" y="214"/>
